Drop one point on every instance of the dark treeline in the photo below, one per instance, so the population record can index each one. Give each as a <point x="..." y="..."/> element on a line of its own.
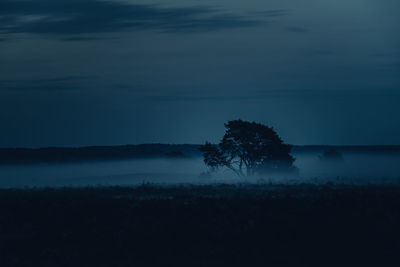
<point x="376" y="149"/>
<point x="94" y="153"/>
<point x="214" y="225"/>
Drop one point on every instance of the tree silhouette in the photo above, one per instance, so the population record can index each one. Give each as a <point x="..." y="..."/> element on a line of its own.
<point x="248" y="148"/>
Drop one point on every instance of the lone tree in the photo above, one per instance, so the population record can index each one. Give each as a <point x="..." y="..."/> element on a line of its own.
<point x="248" y="148"/>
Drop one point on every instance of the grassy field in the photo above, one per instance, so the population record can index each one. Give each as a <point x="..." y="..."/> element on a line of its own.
<point x="210" y="225"/>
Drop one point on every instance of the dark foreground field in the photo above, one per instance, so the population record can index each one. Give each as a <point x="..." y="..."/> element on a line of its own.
<point x="219" y="225"/>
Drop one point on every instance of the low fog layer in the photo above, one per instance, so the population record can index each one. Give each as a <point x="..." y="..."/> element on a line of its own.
<point x="357" y="168"/>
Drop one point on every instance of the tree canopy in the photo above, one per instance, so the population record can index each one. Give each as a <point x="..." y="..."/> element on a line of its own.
<point x="248" y="148"/>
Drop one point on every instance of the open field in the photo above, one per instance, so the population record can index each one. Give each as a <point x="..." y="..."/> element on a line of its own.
<point x="209" y="225"/>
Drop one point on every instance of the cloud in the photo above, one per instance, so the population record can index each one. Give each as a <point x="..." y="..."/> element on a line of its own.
<point x="57" y="83"/>
<point x="297" y="29"/>
<point x="74" y="39"/>
<point x="273" y="13"/>
<point x="74" y="17"/>
<point x="268" y="94"/>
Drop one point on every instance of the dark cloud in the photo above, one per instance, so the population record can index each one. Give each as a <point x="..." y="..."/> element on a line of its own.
<point x="74" y="39"/>
<point x="269" y="94"/>
<point x="94" y="16"/>
<point x="57" y="79"/>
<point x="273" y="13"/>
<point x="64" y="79"/>
<point x="37" y="88"/>
<point x="57" y="83"/>
<point x="297" y="29"/>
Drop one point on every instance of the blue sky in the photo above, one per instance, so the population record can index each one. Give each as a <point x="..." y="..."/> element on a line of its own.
<point x="92" y="72"/>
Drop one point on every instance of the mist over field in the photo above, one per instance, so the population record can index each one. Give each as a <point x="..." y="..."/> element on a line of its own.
<point x="199" y="133"/>
<point x="356" y="168"/>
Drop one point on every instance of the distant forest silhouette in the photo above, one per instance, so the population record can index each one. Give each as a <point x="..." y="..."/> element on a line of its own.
<point x="99" y="153"/>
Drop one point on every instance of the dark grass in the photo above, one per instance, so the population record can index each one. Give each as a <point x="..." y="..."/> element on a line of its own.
<point x="215" y="225"/>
